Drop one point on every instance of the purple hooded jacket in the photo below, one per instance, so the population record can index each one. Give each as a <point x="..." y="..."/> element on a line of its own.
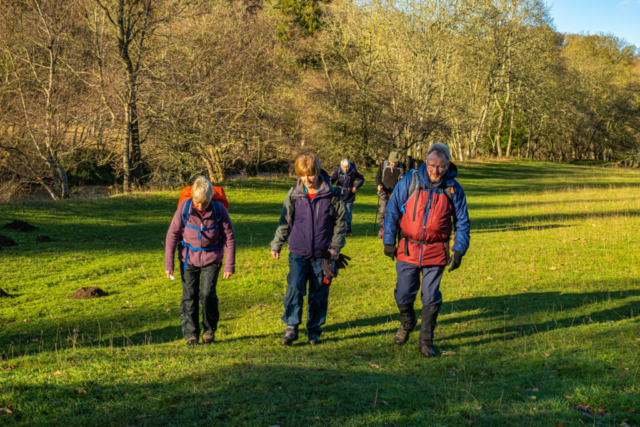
<point x="311" y="226"/>
<point x="209" y="239"/>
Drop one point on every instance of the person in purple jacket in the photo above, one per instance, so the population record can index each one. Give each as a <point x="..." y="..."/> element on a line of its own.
<point x="312" y="219"/>
<point x="202" y="231"/>
<point x="349" y="181"/>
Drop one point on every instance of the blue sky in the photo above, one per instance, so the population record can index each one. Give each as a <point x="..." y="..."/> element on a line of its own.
<point x="618" y="17"/>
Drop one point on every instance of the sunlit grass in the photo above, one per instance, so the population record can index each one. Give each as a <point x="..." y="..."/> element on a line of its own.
<point x="542" y="315"/>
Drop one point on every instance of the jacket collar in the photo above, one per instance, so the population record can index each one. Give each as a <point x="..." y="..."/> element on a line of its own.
<point x="325" y="186"/>
<point x="447" y="181"/>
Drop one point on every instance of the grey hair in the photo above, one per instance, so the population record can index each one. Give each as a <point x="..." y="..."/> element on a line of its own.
<point x="440" y="149"/>
<point x="344" y="162"/>
<point x="202" y="189"/>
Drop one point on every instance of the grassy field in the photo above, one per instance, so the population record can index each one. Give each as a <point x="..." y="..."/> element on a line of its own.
<point x="542" y="315"/>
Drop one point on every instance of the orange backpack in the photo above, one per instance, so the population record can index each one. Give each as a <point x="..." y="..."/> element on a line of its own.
<point x="218" y="194"/>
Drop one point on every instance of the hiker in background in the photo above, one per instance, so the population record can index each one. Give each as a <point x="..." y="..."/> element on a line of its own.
<point x="389" y="173"/>
<point x="349" y="181"/>
<point x="428" y="204"/>
<point x="202" y="230"/>
<point x="312" y="219"/>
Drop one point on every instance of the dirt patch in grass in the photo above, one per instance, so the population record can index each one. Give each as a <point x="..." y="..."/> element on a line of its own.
<point x="19" y="225"/>
<point x="6" y="241"/>
<point x="88" y="293"/>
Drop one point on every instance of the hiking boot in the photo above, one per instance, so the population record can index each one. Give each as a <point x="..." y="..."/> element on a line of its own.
<point x="314" y="339"/>
<point x="208" y="337"/>
<point x="192" y="341"/>
<point x="426" y="348"/>
<point x="402" y="336"/>
<point x="407" y="323"/>
<point x="289" y="336"/>
<point x="427" y="327"/>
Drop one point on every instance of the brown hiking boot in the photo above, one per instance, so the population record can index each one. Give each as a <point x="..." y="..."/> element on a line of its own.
<point x="426" y="348"/>
<point x="289" y="336"/>
<point x="208" y="337"/>
<point x="192" y="341"/>
<point x="402" y="336"/>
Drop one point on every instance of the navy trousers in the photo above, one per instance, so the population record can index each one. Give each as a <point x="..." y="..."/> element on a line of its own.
<point x="302" y="271"/>
<point x="408" y="284"/>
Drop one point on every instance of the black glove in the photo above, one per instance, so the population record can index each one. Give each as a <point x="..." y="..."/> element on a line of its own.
<point x="390" y="251"/>
<point x="455" y="261"/>
<point x="341" y="262"/>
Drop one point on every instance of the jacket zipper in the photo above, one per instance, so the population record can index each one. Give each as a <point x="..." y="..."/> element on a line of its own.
<point x="424" y="225"/>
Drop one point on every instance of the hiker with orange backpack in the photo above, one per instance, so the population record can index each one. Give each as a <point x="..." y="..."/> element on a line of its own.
<point x="428" y="204"/>
<point x="203" y="233"/>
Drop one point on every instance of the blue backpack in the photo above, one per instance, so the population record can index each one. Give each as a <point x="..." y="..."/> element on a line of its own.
<point x="217" y="210"/>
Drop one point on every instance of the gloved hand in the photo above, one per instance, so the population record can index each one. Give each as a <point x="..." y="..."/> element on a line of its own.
<point x="390" y="251"/>
<point x="455" y="261"/>
<point x="342" y="261"/>
<point x="333" y="255"/>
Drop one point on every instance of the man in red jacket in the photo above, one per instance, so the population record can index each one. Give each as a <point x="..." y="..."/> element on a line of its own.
<point x="428" y="204"/>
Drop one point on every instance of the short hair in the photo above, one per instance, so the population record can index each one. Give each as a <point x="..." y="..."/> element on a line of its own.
<point x="345" y="163"/>
<point x="307" y="164"/>
<point x="202" y="190"/>
<point x="440" y="149"/>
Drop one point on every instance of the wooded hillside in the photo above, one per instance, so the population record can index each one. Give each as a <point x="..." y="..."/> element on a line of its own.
<point x="139" y="92"/>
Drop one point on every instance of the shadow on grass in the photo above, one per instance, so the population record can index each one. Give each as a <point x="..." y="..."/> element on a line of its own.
<point x="317" y="392"/>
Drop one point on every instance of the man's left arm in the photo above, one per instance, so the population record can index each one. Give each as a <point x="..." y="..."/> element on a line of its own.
<point x="461" y="236"/>
<point x="359" y="180"/>
<point x="394" y="211"/>
<point x="340" y="227"/>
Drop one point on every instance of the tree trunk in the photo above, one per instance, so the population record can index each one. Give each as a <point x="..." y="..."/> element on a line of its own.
<point x="126" y="161"/>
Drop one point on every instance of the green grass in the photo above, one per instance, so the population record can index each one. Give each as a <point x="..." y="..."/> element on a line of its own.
<point x="542" y="315"/>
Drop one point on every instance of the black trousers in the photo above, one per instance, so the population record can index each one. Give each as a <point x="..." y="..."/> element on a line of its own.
<point x="199" y="283"/>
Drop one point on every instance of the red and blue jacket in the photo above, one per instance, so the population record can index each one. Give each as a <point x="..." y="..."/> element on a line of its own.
<point x="427" y="218"/>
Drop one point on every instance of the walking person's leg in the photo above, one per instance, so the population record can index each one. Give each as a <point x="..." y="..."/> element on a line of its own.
<point x="318" y="302"/>
<point x="209" y="300"/>
<point x="431" y="303"/>
<point x="407" y="287"/>
<point x="189" y="315"/>
<point x="299" y="270"/>
<point x="348" y="217"/>
<point x="384" y="199"/>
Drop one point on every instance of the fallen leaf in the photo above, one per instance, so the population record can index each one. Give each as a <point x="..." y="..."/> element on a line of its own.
<point x="559" y="425"/>
<point x="552" y="268"/>
<point x="373" y="365"/>
<point x="57" y="373"/>
<point x="205" y="404"/>
<point x="448" y="353"/>
<point x="568" y="397"/>
<point x="195" y="379"/>
<point x="6" y="411"/>
<point x="537" y="277"/>
<point x="81" y="390"/>
<point x="142" y="416"/>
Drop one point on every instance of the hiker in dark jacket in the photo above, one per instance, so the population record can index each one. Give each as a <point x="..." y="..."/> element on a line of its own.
<point x="312" y="219"/>
<point x="389" y="173"/>
<point x="349" y="181"/>
<point x="428" y="204"/>
<point x="202" y="231"/>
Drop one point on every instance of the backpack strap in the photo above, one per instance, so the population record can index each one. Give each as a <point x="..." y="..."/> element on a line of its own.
<point x="217" y="212"/>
